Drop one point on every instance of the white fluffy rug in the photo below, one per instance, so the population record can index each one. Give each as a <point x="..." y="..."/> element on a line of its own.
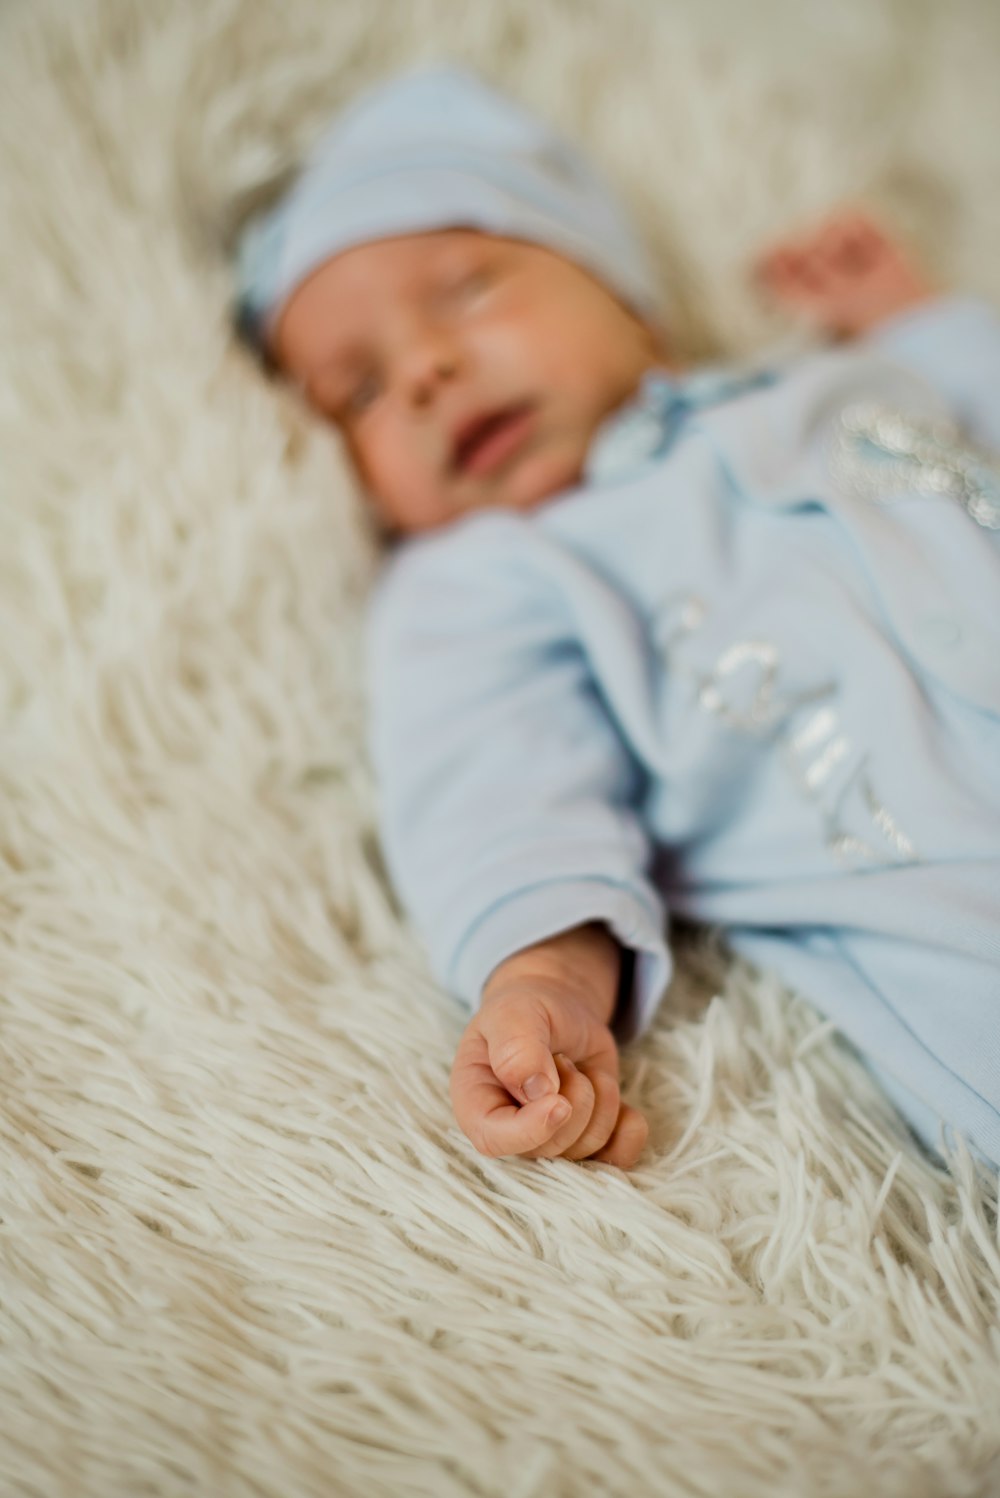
<point x="244" y="1252"/>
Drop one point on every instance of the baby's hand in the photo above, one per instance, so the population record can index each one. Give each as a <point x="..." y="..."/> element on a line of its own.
<point x="536" y="1073"/>
<point x="845" y="276"/>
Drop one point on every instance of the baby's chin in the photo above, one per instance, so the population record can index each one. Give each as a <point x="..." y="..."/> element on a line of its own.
<point x="540" y="476"/>
<point x="532" y="481"/>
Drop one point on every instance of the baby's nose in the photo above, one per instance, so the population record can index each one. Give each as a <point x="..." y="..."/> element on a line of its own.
<point x="430" y="363"/>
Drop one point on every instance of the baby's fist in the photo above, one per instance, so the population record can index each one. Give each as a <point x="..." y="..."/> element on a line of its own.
<point x="846" y="275"/>
<point x="536" y="1070"/>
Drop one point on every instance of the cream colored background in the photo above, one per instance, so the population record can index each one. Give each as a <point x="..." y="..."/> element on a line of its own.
<point x="243" y="1249"/>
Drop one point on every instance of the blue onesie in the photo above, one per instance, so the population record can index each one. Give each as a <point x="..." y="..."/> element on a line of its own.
<point x="749" y="673"/>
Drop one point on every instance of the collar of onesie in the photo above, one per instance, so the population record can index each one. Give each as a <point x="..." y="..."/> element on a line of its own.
<point x="641" y="432"/>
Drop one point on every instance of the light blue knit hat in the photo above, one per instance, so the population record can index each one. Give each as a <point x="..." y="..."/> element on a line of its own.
<point x="436" y="148"/>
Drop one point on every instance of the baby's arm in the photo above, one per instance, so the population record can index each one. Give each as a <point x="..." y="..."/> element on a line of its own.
<point x="845" y="276"/>
<point x="543" y="1028"/>
<point x="510" y="820"/>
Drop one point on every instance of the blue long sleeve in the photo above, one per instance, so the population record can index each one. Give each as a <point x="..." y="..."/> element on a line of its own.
<point x="954" y="344"/>
<point x="476" y="673"/>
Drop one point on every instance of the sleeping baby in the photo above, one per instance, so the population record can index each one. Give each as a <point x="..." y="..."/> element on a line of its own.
<point x="651" y="642"/>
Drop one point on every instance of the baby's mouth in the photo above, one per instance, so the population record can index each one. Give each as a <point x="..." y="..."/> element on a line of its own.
<point x="488" y="440"/>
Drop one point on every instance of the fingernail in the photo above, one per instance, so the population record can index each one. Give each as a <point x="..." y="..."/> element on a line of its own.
<point x="537" y="1086"/>
<point x="560" y="1111"/>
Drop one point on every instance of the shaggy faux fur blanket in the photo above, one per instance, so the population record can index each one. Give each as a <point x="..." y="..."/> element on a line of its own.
<point x="244" y="1251"/>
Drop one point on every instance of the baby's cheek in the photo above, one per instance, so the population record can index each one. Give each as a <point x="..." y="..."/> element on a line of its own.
<point x="384" y="469"/>
<point x="411" y="508"/>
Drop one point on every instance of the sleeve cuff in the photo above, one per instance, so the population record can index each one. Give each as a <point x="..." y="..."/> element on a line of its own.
<point x="938" y="335"/>
<point x="546" y="910"/>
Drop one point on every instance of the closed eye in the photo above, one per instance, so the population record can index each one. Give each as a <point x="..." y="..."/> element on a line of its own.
<point x="361" y="396"/>
<point x="475" y="282"/>
<point x="460" y="290"/>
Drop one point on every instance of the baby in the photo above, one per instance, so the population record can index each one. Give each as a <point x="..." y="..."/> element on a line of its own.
<point x="717" y="643"/>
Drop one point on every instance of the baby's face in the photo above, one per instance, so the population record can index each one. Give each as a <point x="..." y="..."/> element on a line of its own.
<point x="465" y="370"/>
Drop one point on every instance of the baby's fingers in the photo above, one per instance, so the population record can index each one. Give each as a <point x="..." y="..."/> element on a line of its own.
<point x="517" y="1035"/>
<point x="595" y="1121"/>
<point x="485" y="1111"/>
<point x="579" y="1090"/>
<point x="509" y="1130"/>
<point x="628" y="1139"/>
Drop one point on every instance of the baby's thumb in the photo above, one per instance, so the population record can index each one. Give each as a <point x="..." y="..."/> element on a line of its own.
<point x="520" y="1057"/>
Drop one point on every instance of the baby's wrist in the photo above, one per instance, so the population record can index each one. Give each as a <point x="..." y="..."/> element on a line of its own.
<point x="586" y="960"/>
<point x="894" y="306"/>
